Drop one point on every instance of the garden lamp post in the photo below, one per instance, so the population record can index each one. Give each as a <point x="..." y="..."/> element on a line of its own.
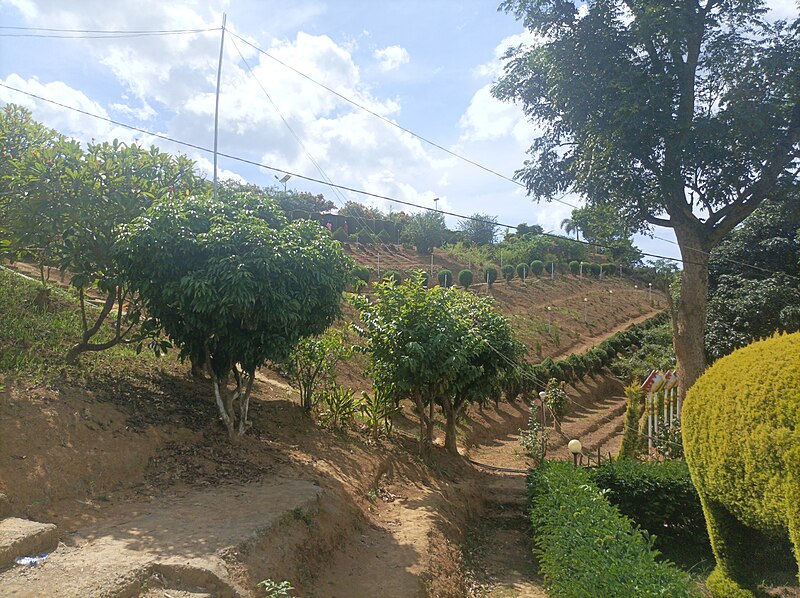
<point x="585" y="304"/>
<point x="549" y="319"/>
<point x="575" y="448"/>
<point x="650" y="292"/>
<point x="611" y="298"/>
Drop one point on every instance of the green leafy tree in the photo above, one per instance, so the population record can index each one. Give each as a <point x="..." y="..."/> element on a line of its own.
<point x="425" y="231"/>
<point x="490" y="275"/>
<point x="465" y="278"/>
<point x="235" y="282"/>
<point x="508" y="272"/>
<point x="311" y="364"/>
<point x="479" y="229"/>
<point x="682" y="115"/>
<point x="361" y="211"/>
<point x="445" y="278"/>
<point x="435" y="346"/>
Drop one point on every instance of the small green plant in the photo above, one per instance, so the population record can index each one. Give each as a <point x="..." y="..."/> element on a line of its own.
<point x="377" y="411"/>
<point x="277" y="589"/>
<point x="537" y="267"/>
<point x="465" y="278"/>
<point x="534" y="439"/>
<point x="339" y="406"/>
<point x="490" y="275"/>
<point x="555" y="397"/>
<point x="445" y="277"/>
<point x="311" y="364"/>
<point x="522" y="271"/>
<point x="508" y="272"/>
<point x="575" y="267"/>
<point x="393" y="275"/>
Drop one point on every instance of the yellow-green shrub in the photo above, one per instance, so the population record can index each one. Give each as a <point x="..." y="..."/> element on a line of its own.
<point x="741" y="434"/>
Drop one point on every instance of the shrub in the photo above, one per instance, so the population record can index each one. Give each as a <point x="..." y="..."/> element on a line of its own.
<point x="609" y="269"/>
<point x="740" y="433"/>
<point x="508" y="272"/>
<point x="522" y="271"/>
<point x="575" y="267"/>
<point x="465" y="278"/>
<point x="445" y="277"/>
<point x="362" y="273"/>
<point x="659" y="497"/>
<point x="631" y="441"/>
<point x="586" y="268"/>
<point x="384" y="236"/>
<point x="556" y="398"/>
<point x="537" y="267"/>
<point x="490" y="275"/>
<point x="585" y="547"/>
<point x="392" y="275"/>
<point x="339" y="406"/>
<point x="340" y="235"/>
<point x="595" y="269"/>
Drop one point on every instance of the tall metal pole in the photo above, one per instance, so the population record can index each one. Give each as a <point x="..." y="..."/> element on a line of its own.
<point x="216" y="105"/>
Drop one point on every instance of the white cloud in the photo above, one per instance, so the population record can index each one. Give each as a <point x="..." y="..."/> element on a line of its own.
<point x="391" y="57"/>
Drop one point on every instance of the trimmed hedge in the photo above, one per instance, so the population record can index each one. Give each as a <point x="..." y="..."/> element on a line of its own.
<point x="575" y="267"/>
<point x="392" y="275"/>
<point x="586" y="548"/>
<point x="537" y="267"/>
<point x="659" y="497"/>
<point x="445" y="278"/>
<point x="362" y="273"/>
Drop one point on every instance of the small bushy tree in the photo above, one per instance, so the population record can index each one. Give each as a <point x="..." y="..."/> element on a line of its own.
<point x="537" y="267"/>
<point x="490" y="275"/>
<point x="465" y="278"/>
<point x="522" y="271"/>
<point x="233" y="281"/>
<point x="508" y="272"/>
<point x="445" y="278"/>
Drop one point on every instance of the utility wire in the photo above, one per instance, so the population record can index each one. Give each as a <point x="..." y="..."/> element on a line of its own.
<point x="323" y="182"/>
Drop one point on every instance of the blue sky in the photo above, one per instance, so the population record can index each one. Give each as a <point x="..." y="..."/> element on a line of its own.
<point x="425" y="65"/>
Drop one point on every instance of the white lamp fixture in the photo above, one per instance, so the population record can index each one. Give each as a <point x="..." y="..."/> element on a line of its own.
<point x="575" y="448"/>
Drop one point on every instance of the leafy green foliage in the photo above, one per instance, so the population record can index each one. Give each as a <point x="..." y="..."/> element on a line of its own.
<point x="555" y="398"/>
<point x="339" y="406"/>
<point x="235" y="282"/>
<point x="522" y="271"/>
<point x="715" y="120"/>
<point x="490" y="275"/>
<point x="658" y="496"/>
<point x="653" y="351"/>
<point x="508" y="272"/>
<point x="744" y="302"/>
<point x="481" y="229"/>
<point x="740" y="423"/>
<point x="632" y="441"/>
<point x="537" y="267"/>
<point x="311" y="364"/>
<point x="445" y="278"/>
<point x="392" y="275"/>
<point x="435" y="346"/>
<point x="575" y="267"/>
<point x="276" y="589"/>
<point x="377" y="410"/>
<point x="465" y="278"/>
<point x="425" y="231"/>
<point x="585" y="547"/>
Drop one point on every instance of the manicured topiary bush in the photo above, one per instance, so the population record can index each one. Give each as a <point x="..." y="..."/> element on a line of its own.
<point x="575" y="267"/>
<point x="741" y="435"/>
<point x="522" y="271"/>
<point x="595" y="269"/>
<point x="537" y="267"/>
<point x="586" y="548"/>
<point x="465" y="278"/>
<point x="490" y="275"/>
<point x="508" y="272"/>
<point x="445" y="278"/>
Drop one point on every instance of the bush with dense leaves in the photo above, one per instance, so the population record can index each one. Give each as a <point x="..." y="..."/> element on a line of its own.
<point x="586" y="547"/>
<point x="490" y="275"/>
<point x="445" y="277"/>
<point x="537" y="267"/>
<point x="575" y="267"/>
<point x="522" y="271"/>
<point x="392" y="275"/>
<point x="465" y="278"/>
<point x="658" y="496"/>
<point x="508" y="272"/>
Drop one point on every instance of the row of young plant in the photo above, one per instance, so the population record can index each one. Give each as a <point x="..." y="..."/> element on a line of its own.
<point x="530" y="378"/>
<point x="586" y="547"/>
<point x="489" y="274"/>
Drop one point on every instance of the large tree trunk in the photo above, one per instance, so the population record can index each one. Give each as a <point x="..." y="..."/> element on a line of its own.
<point x="690" y="312"/>
<point x="451" y="417"/>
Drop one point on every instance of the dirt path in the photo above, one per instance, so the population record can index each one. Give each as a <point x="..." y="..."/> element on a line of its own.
<point x="182" y="544"/>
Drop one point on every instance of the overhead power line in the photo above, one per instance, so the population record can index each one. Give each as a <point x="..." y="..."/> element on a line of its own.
<point x="331" y="184"/>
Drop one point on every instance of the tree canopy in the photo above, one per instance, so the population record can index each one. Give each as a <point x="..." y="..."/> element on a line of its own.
<point x="233" y="281"/>
<point x="685" y="115"/>
<point x="425" y="231"/>
<point x="479" y="229"/>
